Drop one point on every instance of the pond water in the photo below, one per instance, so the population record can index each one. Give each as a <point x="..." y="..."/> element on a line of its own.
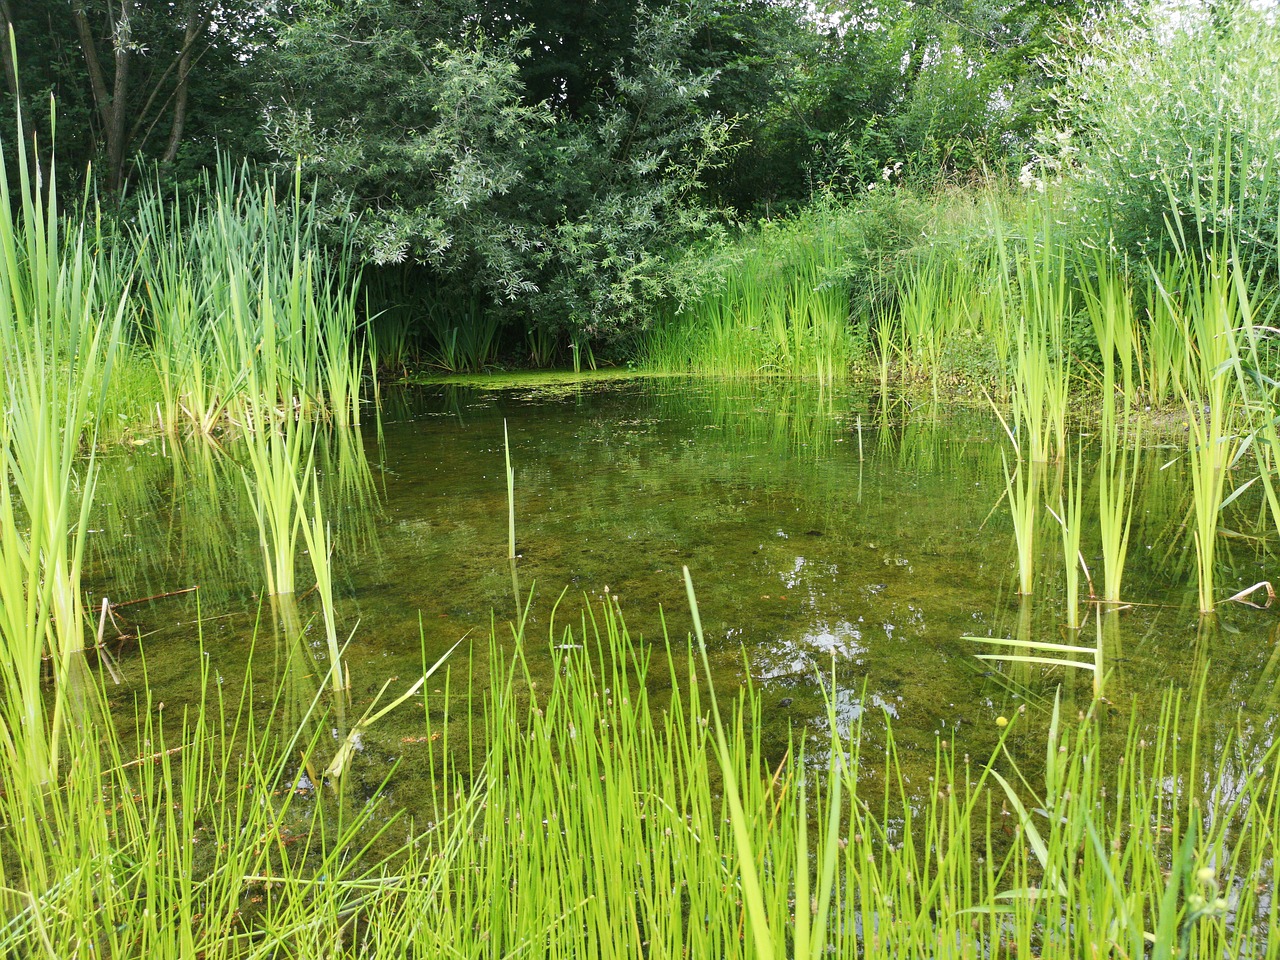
<point x="835" y="534"/>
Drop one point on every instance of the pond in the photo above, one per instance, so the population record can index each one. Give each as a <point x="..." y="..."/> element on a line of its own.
<point x="842" y="543"/>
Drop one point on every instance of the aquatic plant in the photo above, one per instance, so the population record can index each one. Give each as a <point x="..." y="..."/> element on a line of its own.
<point x="1023" y="650"/>
<point x="1022" y="488"/>
<point x="772" y="305"/>
<point x="1109" y="301"/>
<point x="1164" y="346"/>
<point x="244" y="305"/>
<point x="1070" y="518"/>
<point x="1116" y="481"/>
<point x="594" y="817"/>
<point x="58" y="339"/>
<point x="281" y="453"/>
<point x="1208" y="314"/>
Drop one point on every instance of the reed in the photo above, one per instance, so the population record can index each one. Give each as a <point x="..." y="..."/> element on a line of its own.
<point x="1258" y="389"/>
<point x="1039" y="300"/>
<point x="1070" y="519"/>
<point x="463" y="338"/>
<point x="1208" y="317"/>
<point x="773" y="305"/>
<point x="594" y="818"/>
<point x="243" y="305"/>
<point x="1117" y="485"/>
<point x="59" y="338"/>
<point x="1023" y="484"/>
<point x="281" y="454"/>
<point x="1109" y="301"/>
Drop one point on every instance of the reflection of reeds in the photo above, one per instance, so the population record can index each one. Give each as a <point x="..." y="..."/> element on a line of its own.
<point x="511" y="493"/>
<point x="319" y="540"/>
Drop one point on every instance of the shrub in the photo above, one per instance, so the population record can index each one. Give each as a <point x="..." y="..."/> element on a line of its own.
<point x="1168" y="128"/>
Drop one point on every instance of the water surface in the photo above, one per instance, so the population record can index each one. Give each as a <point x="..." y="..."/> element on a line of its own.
<point x="839" y="540"/>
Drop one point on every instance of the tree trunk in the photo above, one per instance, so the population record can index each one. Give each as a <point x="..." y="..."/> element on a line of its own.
<point x="111" y="105"/>
<point x="196" y="25"/>
<point x="123" y="39"/>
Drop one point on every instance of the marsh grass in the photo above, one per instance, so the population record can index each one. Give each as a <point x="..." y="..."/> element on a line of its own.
<point x="243" y="305"/>
<point x="59" y="339"/>
<point x="1070" y="519"/>
<point x="597" y="817"/>
<point x="1042" y="299"/>
<point x="1116" y="481"/>
<point x="1023" y="485"/>
<point x="281" y="473"/>
<point x="774" y="305"/>
<point x="1208" y="316"/>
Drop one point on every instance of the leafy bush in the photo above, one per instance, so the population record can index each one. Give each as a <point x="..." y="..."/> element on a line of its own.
<point x="1170" y="128"/>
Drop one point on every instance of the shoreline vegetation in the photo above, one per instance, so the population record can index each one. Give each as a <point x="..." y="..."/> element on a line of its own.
<point x="1108" y="286"/>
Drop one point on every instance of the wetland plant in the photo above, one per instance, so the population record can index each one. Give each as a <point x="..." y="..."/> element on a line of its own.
<point x="243" y="305"/>
<point x="59" y="341"/>
<point x="595" y="819"/>
<point x="1069" y="516"/>
<point x="281" y="453"/>
<point x="1022" y="489"/>
<point x="1208" y="317"/>
<point x="1117" y="485"/>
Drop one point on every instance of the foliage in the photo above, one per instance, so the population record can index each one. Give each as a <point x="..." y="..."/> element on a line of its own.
<point x="1171" y="125"/>
<point x="435" y="144"/>
<point x="135" y="83"/>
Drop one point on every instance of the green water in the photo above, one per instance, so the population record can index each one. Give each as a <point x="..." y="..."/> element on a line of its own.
<point x="839" y="535"/>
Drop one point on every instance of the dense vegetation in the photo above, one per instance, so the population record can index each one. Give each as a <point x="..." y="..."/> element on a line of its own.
<point x="259" y="212"/>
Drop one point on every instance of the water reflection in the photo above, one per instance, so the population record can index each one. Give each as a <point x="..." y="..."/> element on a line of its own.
<point x="846" y="535"/>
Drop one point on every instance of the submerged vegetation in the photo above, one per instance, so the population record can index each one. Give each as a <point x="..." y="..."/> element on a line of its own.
<point x="1108" y="297"/>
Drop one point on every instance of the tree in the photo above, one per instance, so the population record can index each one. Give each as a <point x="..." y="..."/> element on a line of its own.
<point x="133" y="81"/>
<point x="419" y="121"/>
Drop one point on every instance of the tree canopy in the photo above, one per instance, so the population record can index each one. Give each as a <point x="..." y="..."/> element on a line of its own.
<point x="535" y="155"/>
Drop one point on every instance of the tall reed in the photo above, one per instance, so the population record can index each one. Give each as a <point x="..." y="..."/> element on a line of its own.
<point x="1208" y="315"/>
<point x="1070" y="518"/>
<point x="281" y="473"/>
<point x="1039" y="299"/>
<point x="58" y="338"/>
<point x="244" y="305"/>
<point x="774" y="305"/>
<point x="1117" y="485"/>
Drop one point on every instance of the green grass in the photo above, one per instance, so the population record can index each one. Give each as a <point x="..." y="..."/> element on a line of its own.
<point x="773" y="304"/>
<point x="596" y="819"/>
